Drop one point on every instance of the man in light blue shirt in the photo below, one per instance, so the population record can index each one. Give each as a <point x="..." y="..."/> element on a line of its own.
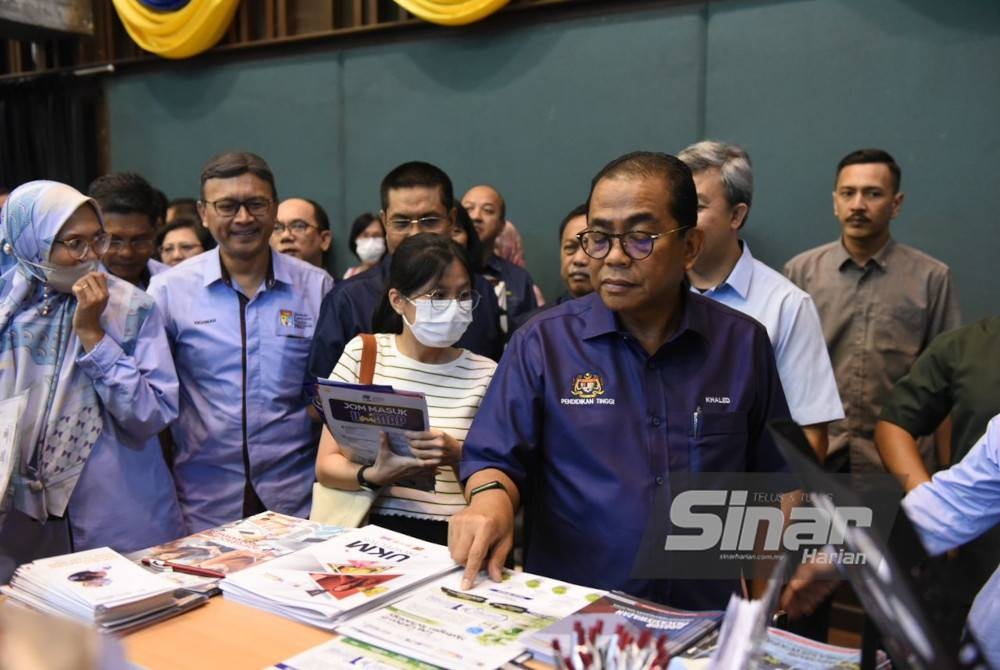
<point x="956" y="506"/>
<point x="726" y="272"/>
<point x="240" y="320"/>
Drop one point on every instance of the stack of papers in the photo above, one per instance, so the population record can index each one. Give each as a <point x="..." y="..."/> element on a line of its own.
<point x="99" y="587"/>
<point x="327" y="583"/>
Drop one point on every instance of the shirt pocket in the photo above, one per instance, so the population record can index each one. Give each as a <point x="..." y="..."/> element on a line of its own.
<point x="285" y="363"/>
<point x="718" y="443"/>
<point x="898" y="337"/>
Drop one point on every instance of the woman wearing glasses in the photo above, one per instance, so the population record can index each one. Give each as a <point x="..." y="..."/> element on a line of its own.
<point x="86" y="370"/>
<point x="181" y="239"/>
<point x="426" y="308"/>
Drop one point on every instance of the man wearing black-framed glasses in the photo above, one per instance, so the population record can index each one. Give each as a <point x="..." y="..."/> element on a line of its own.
<point x="240" y="318"/>
<point x="417" y="197"/>
<point x="597" y="400"/>
<point x="302" y="230"/>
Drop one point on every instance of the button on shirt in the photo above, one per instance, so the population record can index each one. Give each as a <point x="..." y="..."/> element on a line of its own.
<point x="793" y="325"/>
<point x="957" y="505"/>
<point x="876" y="320"/>
<point x="586" y="423"/>
<point x="203" y="315"/>
<point x="348" y="310"/>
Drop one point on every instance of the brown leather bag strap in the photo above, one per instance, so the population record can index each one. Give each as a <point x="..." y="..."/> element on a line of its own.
<point x="369" y="351"/>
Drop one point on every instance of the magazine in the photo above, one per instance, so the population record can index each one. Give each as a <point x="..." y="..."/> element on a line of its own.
<point x="616" y="614"/>
<point x="357" y="415"/>
<point x="782" y="650"/>
<point x="483" y="627"/>
<point x="98" y="586"/>
<point x="353" y="572"/>
<point x="200" y="560"/>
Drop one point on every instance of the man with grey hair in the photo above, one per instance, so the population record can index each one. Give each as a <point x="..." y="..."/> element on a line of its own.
<point x="726" y="271"/>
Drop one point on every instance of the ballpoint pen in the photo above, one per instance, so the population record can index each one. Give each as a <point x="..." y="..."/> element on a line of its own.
<point x="160" y="564"/>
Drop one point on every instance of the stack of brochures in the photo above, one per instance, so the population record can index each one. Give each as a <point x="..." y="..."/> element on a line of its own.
<point x="99" y="587"/>
<point x="439" y="625"/>
<point x="199" y="561"/>
<point x="326" y="583"/>
<point x="625" y="626"/>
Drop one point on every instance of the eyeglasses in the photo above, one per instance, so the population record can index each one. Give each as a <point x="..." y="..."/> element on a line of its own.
<point x="228" y="207"/>
<point x="637" y="245"/>
<point x="78" y="246"/>
<point x="440" y="303"/>
<point x="142" y="245"/>
<point x="298" y="227"/>
<point x="427" y="224"/>
<point x="183" y="248"/>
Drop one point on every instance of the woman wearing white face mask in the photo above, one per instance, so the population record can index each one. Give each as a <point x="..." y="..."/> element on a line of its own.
<point x="426" y="309"/>
<point x="366" y="241"/>
<point x="87" y="355"/>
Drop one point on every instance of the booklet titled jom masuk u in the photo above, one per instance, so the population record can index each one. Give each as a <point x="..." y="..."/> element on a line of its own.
<point x="351" y="573"/>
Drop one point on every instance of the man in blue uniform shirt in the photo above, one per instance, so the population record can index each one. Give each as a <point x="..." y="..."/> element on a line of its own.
<point x="598" y="400"/>
<point x="416" y="198"/>
<point x="240" y="319"/>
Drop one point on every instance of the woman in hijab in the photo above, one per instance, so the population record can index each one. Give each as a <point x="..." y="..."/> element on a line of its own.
<point x="88" y="356"/>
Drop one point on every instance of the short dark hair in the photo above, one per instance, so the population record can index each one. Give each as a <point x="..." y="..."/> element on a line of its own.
<point x="235" y="163"/>
<point x="579" y="210"/>
<point x="418" y="261"/>
<point x="676" y="177"/>
<point x="363" y="221"/>
<point x="417" y="174"/>
<point x="161" y="205"/>
<point x="125" y="193"/>
<point x="205" y="237"/>
<point x="186" y="207"/>
<point x="864" y="156"/>
<point x="473" y="245"/>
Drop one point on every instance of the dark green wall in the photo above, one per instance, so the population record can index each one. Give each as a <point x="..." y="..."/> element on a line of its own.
<point x="537" y="110"/>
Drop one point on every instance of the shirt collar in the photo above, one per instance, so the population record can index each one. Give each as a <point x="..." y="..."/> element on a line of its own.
<point x="216" y="271"/>
<point x="880" y="258"/>
<point x="742" y="273"/>
<point x="602" y="321"/>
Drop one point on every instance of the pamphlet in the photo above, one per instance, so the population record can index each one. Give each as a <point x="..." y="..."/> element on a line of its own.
<point x="326" y="583"/>
<point x="98" y="586"/>
<point x="346" y="652"/>
<point x="11" y="410"/>
<point x="357" y="415"/>
<point x="483" y="627"/>
<point x="200" y="560"/>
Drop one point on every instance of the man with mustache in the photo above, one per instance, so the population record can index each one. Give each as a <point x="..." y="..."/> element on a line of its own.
<point x="880" y="302"/>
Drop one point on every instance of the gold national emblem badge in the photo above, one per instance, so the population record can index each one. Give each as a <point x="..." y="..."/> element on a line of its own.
<point x="587" y="385"/>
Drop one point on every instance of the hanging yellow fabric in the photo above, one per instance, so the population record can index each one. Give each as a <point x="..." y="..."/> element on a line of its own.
<point x="187" y="32"/>
<point x="451" y="12"/>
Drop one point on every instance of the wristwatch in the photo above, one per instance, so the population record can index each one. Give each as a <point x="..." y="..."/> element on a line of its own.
<point x="364" y="483"/>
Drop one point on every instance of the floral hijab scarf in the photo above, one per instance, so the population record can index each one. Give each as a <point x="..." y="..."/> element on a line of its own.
<point x="38" y="351"/>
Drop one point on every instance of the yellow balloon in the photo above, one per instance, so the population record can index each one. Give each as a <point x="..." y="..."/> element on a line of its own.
<point x="451" y="12"/>
<point x="195" y="28"/>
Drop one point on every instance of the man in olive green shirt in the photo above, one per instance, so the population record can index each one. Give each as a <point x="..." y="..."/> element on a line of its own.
<point x="957" y="375"/>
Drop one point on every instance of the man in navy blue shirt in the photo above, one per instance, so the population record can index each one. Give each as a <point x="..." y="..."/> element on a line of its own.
<point x="416" y="198"/>
<point x="598" y="400"/>
<point x="514" y="286"/>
